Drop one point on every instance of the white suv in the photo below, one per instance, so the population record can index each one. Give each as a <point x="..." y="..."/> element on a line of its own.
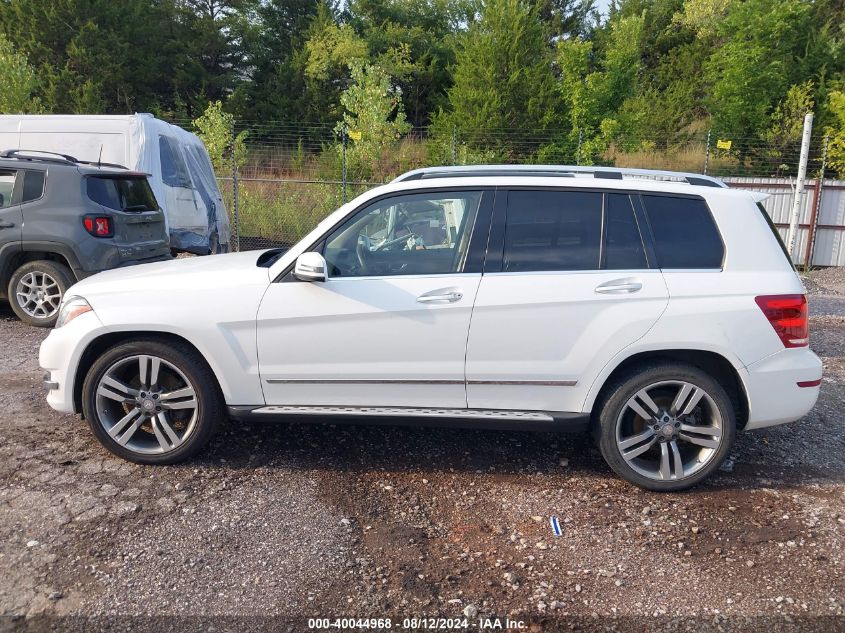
<point x="656" y="309"/>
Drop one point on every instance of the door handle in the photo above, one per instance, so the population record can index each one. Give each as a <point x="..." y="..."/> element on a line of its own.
<point x="441" y="295"/>
<point x="620" y="286"/>
<point x="7" y="225"/>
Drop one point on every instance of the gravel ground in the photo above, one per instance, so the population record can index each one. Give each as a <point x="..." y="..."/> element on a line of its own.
<point x="294" y="521"/>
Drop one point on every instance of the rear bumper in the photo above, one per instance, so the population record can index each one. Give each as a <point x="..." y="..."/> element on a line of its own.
<point x="162" y="257"/>
<point x="774" y="396"/>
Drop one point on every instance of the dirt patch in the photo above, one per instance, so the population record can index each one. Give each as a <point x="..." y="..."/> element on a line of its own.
<point x="299" y="521"/>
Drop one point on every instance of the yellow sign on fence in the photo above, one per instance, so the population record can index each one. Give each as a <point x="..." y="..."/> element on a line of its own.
<point x="355" y="135"/>
<point x="720" y="144"/>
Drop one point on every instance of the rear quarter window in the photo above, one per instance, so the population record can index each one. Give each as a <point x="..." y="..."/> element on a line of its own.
<point x="685" y="234"/>
<point x="121" y="193"/>
<point x="33" y="185"/>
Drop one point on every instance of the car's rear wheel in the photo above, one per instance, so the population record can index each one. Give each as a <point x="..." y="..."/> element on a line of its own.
<point x="666" y="427"/>
<point x="152" y="402"/>
<point x="36" y="290"/>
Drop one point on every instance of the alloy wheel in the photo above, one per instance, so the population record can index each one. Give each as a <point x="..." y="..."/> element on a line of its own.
<point x="38" y="295"/>
<point x="669" y="430"/>
<point x="146" y="404"/>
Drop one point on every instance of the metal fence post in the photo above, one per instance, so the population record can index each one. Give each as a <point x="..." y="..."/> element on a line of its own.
<point x="707" y="152"/>
<point x="236" y="216"/>
<point x="816" y="205"/>
<point x="343" y="137"/>
<point x="580" y="139"/>
<point x="454" y="145"/>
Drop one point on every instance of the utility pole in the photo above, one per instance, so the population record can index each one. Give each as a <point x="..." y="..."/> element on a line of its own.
<point x="799" y="184"/>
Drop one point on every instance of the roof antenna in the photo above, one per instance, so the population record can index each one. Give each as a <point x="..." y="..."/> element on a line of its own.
<point x="100" y="157"/>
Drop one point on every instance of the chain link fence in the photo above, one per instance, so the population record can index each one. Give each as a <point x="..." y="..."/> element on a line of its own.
<point x="295" y="174"/>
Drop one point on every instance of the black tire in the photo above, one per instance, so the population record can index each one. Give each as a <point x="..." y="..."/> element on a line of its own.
<point x="61" y="274"/>
<point x="210" y="405"/>
<point x="613" y="405"/>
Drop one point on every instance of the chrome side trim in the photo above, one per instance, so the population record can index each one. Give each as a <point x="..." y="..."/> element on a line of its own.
<point x="404" y="412"/>
<point x="403" y="381"/>
<point x="362" y="381"/>
<point x="533" y="383"/>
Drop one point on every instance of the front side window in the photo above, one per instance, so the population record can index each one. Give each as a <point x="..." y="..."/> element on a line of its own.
<point x="685" y="235"/>
<point x="121" y="193"/>
<point x="7" y="185"/>
<point x="414" y="234"/>
<point x="552" y="231"/>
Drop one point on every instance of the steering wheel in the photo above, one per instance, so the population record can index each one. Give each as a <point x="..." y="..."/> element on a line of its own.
<point x="360" y="249"/>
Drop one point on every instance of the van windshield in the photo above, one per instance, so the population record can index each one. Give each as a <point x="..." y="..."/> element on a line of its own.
<point x="121" y="193"/>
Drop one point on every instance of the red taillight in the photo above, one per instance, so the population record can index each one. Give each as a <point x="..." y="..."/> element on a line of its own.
<point x="98" y="226"/>
<point x="788" y="316"/>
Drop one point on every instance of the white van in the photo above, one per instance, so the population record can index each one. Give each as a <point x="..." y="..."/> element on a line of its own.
<point x="180" y="170"/>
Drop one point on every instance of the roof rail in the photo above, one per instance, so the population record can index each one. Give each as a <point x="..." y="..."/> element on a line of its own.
<point x="54" y="157"/>
<point x="31" y="154"/>
<point x="614" y="173"/>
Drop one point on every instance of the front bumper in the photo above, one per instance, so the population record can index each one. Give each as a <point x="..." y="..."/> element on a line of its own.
<point x="59" y="357"/>
<point x="774" y="396"/>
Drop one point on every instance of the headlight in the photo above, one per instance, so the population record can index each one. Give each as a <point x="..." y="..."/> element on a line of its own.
<point x="71" y="309"/>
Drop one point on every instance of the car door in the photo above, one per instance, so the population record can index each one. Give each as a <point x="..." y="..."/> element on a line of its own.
<point x="11" y="218"/>
<point x="389" y="326"/>
<point x="569" y="282"/>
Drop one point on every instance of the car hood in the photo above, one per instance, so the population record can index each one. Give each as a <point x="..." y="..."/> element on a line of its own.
<point x="188" y="274"/>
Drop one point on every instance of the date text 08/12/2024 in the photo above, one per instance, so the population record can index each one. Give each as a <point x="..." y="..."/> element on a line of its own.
<point x="481" y="624"/>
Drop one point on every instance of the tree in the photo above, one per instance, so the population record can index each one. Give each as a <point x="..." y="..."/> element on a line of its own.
<point x="594" y="92"/>
<point x="214" y="128"/>
<point x="764" y="47"/>
<point x="787" y="120"/>
<point x="835" y="106"/>
<point x="503" y="78"/>
<point x="374" y="114"/>
<point x="19" y="81"/>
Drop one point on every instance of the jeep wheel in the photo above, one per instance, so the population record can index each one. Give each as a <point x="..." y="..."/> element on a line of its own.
<point x="36" y="290"/>
<point x="152" y="402"/>
<point x="666" y="426"/>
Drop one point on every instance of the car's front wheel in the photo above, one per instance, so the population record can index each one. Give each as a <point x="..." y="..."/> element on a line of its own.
<point x="666" y="426"/>
<point x="152" y="402"/>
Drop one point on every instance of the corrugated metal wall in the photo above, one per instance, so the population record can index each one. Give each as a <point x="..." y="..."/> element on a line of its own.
<point x="829" y="241"/>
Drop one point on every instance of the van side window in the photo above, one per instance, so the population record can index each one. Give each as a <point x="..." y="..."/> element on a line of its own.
<point x="685" y="235"/>
<point x="552" y="230"/>
<point x="174" y="172"/>
<point x="7" y="185"/>
<point x="623" y="244"/>
<point x="33" y="185"/>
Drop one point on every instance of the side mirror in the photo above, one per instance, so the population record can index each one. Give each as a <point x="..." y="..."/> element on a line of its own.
<point x="310" y="267"/>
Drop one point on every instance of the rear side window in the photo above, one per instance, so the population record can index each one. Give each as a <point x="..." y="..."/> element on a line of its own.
<point x="33" y="185"/>
<point x="685" y="235"/>
<point x="552" y="230"/>
<point x="121" y="193"/>
<point x="623" y="245"/>
<point x="174" y="172"/>
<point x="7" y="186"/>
